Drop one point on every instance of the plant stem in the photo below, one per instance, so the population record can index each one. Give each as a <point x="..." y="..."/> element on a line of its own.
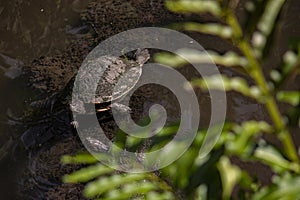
<point x="256" y="73"/>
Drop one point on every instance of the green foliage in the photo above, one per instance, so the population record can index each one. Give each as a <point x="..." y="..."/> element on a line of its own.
<point x="230" y="175"/>
<point x="229" y="59"/>
<point x="209" y="28"/>
<point x="216" y="175"/>
<point x="79" y="159"/>
<point x="284" y="187"/>
<point x="230" y="84"/>
<point x="292" y="98"/>
<point x="191" y="6"/>
<point x="87" y="174"/>
<point x="266" y="25"/>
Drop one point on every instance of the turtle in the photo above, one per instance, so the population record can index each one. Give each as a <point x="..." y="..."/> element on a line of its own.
<point x="110" y="88"/>
<point x="113" y="68"/>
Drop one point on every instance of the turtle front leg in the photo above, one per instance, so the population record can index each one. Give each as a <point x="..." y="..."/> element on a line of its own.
<point x="77" y="107"/>
<point x="121" y="108"/>
<point x="74" y="124"/>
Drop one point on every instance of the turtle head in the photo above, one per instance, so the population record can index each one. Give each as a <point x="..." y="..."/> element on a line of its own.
<point x="142" y="56"/>
<point x="77" y="106"/>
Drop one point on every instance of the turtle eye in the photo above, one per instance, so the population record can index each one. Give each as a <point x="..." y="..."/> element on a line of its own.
<point x="119" y="62"/>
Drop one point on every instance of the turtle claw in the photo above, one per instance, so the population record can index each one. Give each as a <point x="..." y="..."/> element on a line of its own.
<point x="75" y="124"/>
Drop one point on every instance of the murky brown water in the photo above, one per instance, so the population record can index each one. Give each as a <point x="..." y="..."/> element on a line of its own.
<point x="28" y="30"/>
<point x="33" y="28"/>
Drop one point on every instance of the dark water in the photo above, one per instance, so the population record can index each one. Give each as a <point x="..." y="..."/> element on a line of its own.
<point x="32" y="28"/>
<point x="28" y="30"/>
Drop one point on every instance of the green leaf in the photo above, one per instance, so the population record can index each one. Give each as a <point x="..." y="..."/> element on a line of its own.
<point x="284" y="187"/>
<point x="194" y="6"/>
<point x="208" y="28"/>
<point x="274" y="158"/>
<point x="130" y="190"/>
<point x="289" y="69"/>
<point x="255" y="10"/>
<point x="86" y="174"/>
<point x="105" y="184"/>
<point x="291" y="97"/>
<point x="164" y="195"/>
<point x="290" y="59"/>
<point x="184" y="164"/>
<point x="201" y="192"/>
<point x="222" y="82"/>
<point x="170" y="59"/>
<point x="269" y="16"/>
<point x="266" y="25"/>
<point x="243" y="143"/>
<point x="159" y="139"/>
<point x="230" y="176"/>
<point x="288" y="189"/>
<point x="229" y="59"/>
<point x="79" y="159"/>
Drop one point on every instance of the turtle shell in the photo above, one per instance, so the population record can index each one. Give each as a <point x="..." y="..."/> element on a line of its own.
<point x="118" y="77"/>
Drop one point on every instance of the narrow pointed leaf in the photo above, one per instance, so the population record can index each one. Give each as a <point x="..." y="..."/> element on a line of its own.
<point x="160" y="195"/>
<point x="222" y="82"/>
<point x="230" y="176"/>
<point x="130" y="190"/>
<point x="79" y="159"/>
<point x="208" y="28"/>
<point x="194" y="6"/>
<point x="106" y="184"/>
<point x="272" y="157"/>
<point x="291" y="97"/>
<point x="243" y="143"/>
<point x="289" y="69"/>
<point x="266" y="25"/>
<point x="229" y="59"/>
<point x="88" y="173"/>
